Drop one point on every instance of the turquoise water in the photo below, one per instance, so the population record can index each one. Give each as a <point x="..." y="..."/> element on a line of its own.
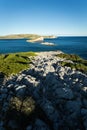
<point x="74" y="45"/>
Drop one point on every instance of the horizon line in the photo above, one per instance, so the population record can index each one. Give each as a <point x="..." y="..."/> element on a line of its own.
<point x="65" y="35"/>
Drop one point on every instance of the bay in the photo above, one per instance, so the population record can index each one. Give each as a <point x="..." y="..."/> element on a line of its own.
<point x="70" y="45"/>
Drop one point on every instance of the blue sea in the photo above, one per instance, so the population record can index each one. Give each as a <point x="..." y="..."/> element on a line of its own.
<point x="70" y="45"/>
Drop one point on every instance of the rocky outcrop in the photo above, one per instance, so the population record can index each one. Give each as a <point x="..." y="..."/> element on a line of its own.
<point x="40" y="39"/>
<point x="59" y="93"/>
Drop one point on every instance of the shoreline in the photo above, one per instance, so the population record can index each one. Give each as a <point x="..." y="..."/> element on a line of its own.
<point x="80" y="51"/>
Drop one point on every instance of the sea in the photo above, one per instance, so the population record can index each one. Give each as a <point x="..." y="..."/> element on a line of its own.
<point x="70" y="45"/>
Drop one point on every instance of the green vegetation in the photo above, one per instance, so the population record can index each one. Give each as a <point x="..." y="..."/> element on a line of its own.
<point x="23" y="111"/>
<point x="26" y="106"/>
<point x="16" y="62"/>
<point x="72" y="57"/>
<point x="78" y="63"/>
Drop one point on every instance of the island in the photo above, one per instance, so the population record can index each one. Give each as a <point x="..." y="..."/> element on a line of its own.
<point x="32" y="37"/>
<point x="20" y="36"/>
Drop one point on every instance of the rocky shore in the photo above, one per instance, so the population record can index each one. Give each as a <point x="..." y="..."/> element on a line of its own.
<point x="40" y="39"/>
<point x="45" y="97"/>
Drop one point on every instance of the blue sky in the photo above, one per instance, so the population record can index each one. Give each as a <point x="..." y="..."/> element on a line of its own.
<point x="45" y="17"/>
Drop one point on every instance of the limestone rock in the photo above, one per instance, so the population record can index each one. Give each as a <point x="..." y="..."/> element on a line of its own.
<point x="64" y="93"/>
<point x="40" y="125"/>
<point x="84" y="117"/>
<point x="60" y="96"/>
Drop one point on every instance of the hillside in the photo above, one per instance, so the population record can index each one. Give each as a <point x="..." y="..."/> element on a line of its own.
<point x="27" y="36"/>
<point x="50" y="95"/>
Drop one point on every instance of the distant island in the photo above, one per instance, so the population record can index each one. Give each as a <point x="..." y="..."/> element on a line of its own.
<point x="31" y="37"/>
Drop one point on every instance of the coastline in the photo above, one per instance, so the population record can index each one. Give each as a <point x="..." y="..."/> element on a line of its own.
<point x="27" y="36"/>
<point x="40" y="39"/>
<point x="66" y="44"/>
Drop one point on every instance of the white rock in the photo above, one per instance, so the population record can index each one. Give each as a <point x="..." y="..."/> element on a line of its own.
<point x="84" y="89"/>
<point x="20" y="87"/>
<point x="19" y="78"/>
<point x="20" y="91"/>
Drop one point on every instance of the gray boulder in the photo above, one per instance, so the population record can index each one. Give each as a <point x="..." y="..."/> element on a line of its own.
<point x="84" y="117"/>
<point x="40" y="125"/>
<point x="64" y="93"/>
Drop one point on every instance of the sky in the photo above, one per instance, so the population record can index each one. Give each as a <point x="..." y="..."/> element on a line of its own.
<point x="44" y="17"/>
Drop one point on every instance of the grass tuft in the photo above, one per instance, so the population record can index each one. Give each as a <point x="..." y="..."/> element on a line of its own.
<point x="78" y="63"/>
<point x="14" y="63"/>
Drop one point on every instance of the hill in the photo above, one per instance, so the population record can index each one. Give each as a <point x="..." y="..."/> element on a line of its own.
<point x="27" y="36"/>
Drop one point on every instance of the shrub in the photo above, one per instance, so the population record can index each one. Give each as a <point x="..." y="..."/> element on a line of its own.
<point x="21" y="112"/>
<point x="25" y="106"/>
